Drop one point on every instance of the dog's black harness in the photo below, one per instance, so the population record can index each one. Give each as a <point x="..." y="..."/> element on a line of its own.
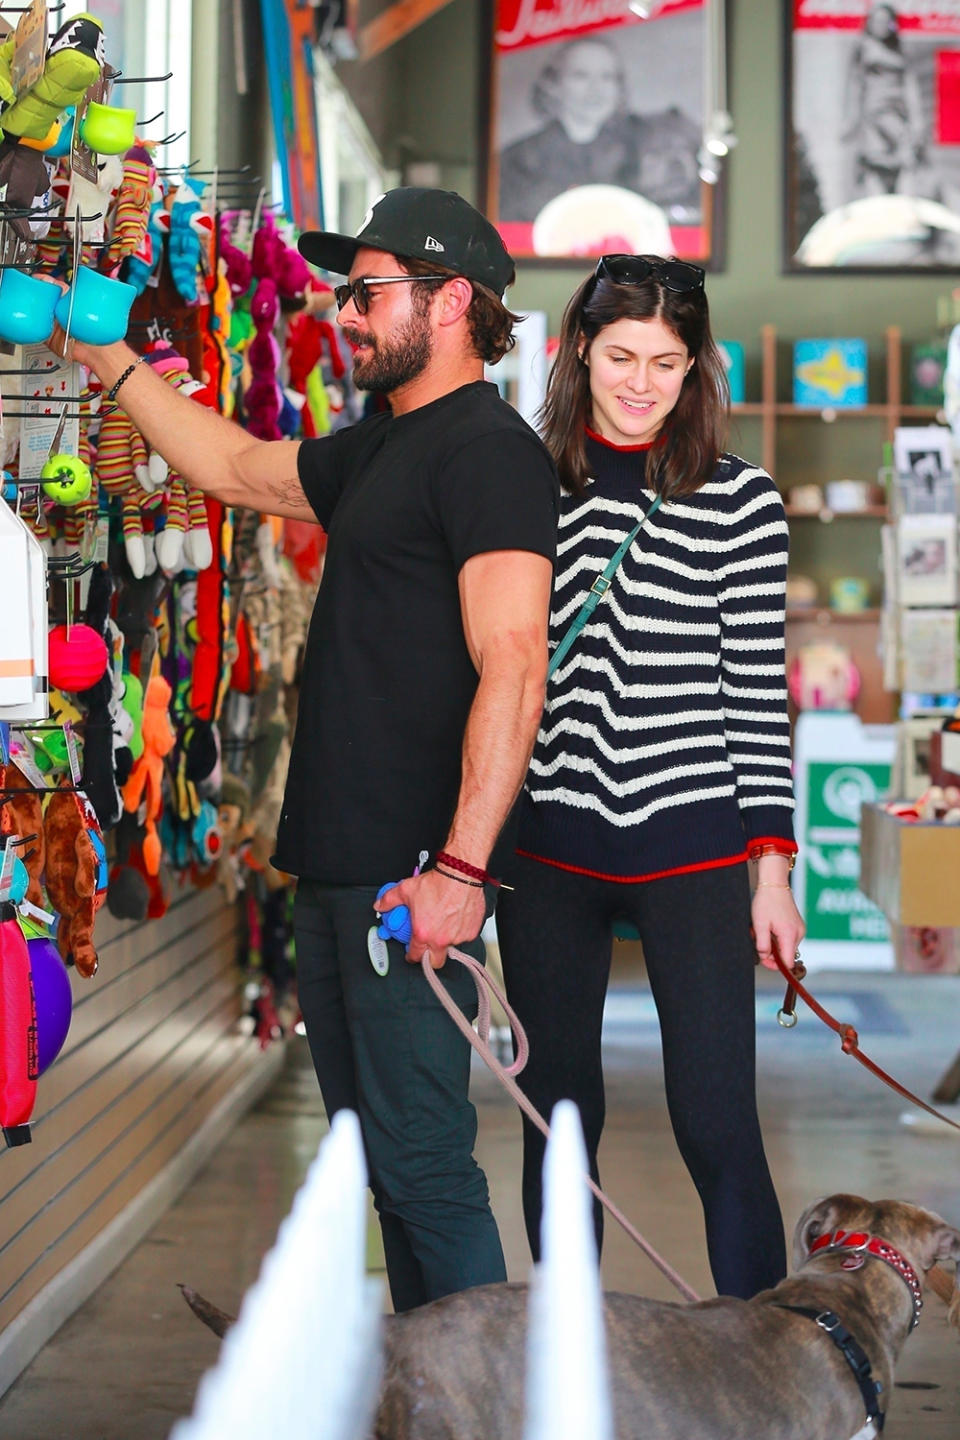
<point x="852" y="1352"/>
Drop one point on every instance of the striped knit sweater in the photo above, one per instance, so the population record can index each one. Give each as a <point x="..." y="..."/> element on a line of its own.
<point x="664" y="745"/>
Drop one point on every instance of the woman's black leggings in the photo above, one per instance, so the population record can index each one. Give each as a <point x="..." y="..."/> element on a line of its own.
<point x="555" y="933"/>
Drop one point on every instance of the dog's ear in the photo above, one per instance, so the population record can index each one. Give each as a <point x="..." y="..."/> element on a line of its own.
<point x="943" y="1243"/>
<point x="823" y="1216"/>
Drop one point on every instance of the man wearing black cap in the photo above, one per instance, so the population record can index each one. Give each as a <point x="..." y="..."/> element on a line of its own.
<point x="422" y="690"/>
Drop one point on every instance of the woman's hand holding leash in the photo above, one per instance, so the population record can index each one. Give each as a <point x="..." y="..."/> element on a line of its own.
<point x="776" y="919"/>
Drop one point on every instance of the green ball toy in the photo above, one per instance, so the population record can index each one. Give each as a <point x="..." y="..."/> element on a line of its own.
<point x="66" y="479"/>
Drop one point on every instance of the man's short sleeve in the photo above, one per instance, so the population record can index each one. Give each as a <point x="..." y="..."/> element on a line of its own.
<point x="498" y="492"/>
<point x="321" y="474"/>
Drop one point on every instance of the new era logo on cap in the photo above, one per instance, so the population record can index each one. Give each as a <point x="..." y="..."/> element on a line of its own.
<point x="406" y="222"/>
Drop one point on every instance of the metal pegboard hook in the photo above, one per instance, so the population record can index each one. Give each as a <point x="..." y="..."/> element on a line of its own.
<point x="120" y="79"/>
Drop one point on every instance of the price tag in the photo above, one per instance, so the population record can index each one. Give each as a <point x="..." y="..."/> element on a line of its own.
<point x="72" y="752"/>
<point x="29" y="47"/>
<point x="22" y="757"/>
<point x="35" y="913"/>
<point x="6" y="869"/>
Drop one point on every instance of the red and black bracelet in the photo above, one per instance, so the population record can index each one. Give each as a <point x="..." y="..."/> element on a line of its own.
<point x="474" y="871"/>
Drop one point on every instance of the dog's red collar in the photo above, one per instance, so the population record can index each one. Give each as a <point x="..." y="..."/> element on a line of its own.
<point x="856" y="1245"/>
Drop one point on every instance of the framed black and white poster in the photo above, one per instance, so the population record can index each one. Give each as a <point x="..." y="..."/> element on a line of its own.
<point x="596" y="120"/>
<point x="872" y="123"/>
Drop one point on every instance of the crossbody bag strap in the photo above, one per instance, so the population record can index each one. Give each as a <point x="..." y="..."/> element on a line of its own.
<point x="598" y="589"/>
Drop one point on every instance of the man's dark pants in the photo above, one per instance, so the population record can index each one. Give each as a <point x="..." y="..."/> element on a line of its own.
<point x="383" y="1046"/>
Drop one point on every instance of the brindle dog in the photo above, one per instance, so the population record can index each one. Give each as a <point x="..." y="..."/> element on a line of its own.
<point x="721" y="1369"/>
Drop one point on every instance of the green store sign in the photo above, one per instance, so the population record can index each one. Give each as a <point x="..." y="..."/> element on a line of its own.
<point x="834" y="908"/>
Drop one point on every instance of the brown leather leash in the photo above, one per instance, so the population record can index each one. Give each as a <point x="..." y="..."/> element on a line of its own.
<point x="849" y="1039"/>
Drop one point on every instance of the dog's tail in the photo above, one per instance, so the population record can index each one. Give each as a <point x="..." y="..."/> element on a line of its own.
<point x="946" y="1290"/>
<point x="216" y="1320"/>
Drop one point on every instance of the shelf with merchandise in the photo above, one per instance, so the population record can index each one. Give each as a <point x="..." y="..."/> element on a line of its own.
<point x="770" y="409"/>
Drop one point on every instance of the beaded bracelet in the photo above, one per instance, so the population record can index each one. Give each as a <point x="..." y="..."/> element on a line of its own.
<point x="465" y="868"/>
<point x="460" y="879"/>
<point x="114" y="390"/>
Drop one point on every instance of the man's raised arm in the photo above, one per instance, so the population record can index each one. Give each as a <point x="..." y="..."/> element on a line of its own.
<point x="209" y="451"/>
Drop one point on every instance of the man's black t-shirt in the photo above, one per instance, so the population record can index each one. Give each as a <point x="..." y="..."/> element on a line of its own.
<point x="387" y="679"/>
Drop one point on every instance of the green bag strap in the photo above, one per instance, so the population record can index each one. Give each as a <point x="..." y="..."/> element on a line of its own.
<point x="598" y="589"/>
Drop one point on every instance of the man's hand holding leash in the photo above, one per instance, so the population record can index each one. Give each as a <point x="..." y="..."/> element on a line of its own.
<point x="440" y="916"/>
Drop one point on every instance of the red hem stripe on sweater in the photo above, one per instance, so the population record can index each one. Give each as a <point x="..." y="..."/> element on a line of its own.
<point x="788" y="847"/>
<point x="635" y="879"/>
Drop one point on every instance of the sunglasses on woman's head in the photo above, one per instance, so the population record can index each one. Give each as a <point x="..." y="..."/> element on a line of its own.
<point x="677" y="275"/>
<point x="359" y="290"/>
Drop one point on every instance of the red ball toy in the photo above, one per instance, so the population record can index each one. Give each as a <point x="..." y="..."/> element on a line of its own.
<point x="76" y="662"/>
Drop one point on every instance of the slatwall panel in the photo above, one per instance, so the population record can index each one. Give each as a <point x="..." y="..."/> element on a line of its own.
<point x="152" y="1049"/>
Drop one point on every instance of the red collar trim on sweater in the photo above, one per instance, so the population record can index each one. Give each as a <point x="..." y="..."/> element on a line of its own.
<point x="856" y="1245"/>
<point x="627" y="449"/>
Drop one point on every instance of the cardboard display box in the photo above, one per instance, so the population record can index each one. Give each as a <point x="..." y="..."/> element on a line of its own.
<point x="911" y="870"/>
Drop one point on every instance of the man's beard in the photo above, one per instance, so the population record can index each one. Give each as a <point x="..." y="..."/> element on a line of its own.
<point x="382" y="366"/>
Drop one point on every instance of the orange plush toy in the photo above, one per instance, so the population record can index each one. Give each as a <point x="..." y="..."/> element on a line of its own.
<point x="74" y="875"/>
<point x="146" y="777"/>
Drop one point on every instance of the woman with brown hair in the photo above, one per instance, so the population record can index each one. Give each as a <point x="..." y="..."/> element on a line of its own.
<point x="662" y="765"/>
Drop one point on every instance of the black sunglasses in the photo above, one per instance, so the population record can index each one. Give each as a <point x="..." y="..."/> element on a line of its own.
<point x="358" y="290"/>
<point x="677" y="275"/>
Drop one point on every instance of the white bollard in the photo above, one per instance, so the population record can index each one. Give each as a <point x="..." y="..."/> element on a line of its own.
<point x="304" y="1359"/>
<point x="567" y="1388"/>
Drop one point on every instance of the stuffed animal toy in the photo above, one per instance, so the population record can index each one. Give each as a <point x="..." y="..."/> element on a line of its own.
<point x="232" y="817"/>
<point x="134" y="202"/>
<point x="239" y="270"/>
<point x="74" y="60"/>
<point x="95" y="199"/>
<point x="823" y="677"/>
<point x="133" y="893"/>
<point x="272" y="258"/>
<point x="145" y="261"/>
<point x="75" y="874"/>
<point x="128" y="892"/>
<point x="185" y="538"/>
<point x="216" y="356"/>
<point x="263" y="399"/>
<point x="21" y="813"/>
<point x="121" y="469"/>
<point x="146" y="777"/>
<point x="307" y="337"/>
<point x="132" y="701"/>
<point x="191" y="230"/>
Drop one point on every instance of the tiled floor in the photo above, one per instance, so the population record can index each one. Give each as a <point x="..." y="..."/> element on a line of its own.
<point x="127" y="1364"/>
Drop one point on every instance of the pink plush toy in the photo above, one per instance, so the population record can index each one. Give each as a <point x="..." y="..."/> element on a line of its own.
<point x="273" y="259"/>
<point x="823" y="677"/>
<point x="263" y="400"/>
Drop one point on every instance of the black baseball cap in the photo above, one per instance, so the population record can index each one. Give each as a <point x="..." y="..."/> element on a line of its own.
<point x="413" y="222"/>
